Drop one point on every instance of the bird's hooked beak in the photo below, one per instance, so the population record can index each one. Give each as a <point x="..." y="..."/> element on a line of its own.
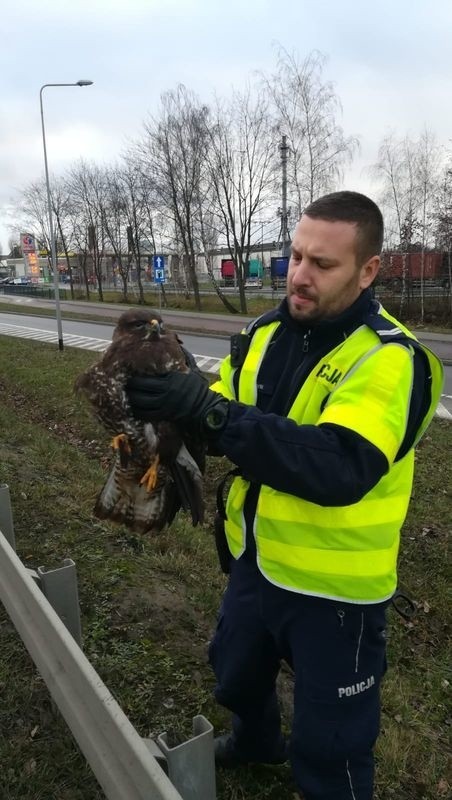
<point x="153" y="329"/>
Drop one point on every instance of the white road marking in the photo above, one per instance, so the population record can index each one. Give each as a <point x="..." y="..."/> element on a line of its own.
<point x="442" y="412"/>
<point x="205" y="363"/>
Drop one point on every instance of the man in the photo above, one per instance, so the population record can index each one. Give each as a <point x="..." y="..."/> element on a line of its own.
<point x="319" y="406"/>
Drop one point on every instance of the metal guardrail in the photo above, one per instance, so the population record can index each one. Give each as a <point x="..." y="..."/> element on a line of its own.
<point x="6" y="516"/>
<point x="124" y="764"/>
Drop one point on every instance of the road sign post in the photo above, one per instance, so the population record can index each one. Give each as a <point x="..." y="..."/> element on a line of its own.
<point x="159" y="274"/>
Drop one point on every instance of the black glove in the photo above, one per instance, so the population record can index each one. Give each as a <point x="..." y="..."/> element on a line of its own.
<point x="182" y="397"/>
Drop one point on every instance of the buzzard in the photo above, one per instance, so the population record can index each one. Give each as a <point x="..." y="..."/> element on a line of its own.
<point x="157" y="467"/>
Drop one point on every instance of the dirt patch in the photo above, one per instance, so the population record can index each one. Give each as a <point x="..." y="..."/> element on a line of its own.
<point x="161" y="611"/>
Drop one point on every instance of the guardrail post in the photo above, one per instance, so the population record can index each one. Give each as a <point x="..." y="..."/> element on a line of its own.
<point x="60" y="588"/>
<point x="191" y="765"/>
<point x="43" y="606"/>
<point x="6" y="515"/>
<point x="116" y="753"/>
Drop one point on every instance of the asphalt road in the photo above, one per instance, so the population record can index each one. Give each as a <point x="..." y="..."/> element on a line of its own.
<point x="187" y="321"/>
<point x="203" y="334"/>
<point x="215" y="347"/>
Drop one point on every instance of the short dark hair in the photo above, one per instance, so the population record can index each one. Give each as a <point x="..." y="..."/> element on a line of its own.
<point x="357" y="208"/>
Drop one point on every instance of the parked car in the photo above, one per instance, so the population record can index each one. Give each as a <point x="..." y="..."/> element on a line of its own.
<point x="253" y="283"/>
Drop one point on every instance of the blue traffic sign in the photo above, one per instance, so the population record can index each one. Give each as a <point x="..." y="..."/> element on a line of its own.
<point x="159" y="269"/>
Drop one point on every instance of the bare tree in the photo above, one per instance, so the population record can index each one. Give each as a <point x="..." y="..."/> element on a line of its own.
<point x="427" y="179"/>
<point x="33" y="211"/>
<point x="242" y="159"/>
<point x="305" y="109"/>
<point x="88" y="187"/>
<point x="114" y="218"/>
<point x="138" y="215"/>
<point x="395" y="169"/>
<point x="209" y="240"/>
<point x="153" y="220"/>
<point x="443" y="233"/>
<point x="173" y="154"/>
<point x="62" y="206"/>
<point x="408" y="172"/>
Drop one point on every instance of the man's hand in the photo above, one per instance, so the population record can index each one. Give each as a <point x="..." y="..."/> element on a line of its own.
<point x="178" y="397"/>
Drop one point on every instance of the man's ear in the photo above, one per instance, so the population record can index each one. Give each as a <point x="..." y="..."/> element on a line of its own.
<point x="369" y="271"/>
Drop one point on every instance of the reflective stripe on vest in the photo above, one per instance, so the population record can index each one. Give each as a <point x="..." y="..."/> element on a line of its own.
<point x="348" y="552"/>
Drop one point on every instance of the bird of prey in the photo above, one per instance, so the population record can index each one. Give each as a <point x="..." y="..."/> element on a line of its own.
<point x="157" y="468"/>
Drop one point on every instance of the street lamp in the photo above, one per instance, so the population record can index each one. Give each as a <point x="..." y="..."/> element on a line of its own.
<point x="49" y="204"/>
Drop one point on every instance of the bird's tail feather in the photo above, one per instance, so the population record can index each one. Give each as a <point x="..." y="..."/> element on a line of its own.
<point x="127" y="502"/>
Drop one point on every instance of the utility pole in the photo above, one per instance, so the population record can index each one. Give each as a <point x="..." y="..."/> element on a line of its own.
<point x="284" y="148"/>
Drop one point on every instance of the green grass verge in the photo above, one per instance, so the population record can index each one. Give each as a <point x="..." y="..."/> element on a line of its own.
<point x="39" y="311"/>
<point x="256" y="305"/>
<point x="148" y="604"/>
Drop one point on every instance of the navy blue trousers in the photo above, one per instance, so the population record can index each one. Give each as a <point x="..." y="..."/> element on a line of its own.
<point x="337" y="652"/>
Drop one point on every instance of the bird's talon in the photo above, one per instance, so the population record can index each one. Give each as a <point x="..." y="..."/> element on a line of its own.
<point x="150" y="476"/>
<point x="120" y="442"/>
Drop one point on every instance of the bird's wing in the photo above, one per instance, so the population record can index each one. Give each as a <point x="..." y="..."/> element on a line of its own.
<point x="187" y="478"/>
<point x="105" y="391"/>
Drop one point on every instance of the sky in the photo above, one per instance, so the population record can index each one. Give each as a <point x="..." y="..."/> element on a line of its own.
<point x="390" y="62"/>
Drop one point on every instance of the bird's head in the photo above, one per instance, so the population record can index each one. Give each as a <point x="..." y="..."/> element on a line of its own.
<point x="139" y="322"/>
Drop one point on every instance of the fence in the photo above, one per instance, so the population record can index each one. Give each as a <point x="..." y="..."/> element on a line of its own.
<point x="31" y="290"/>
<point x="126" y="766"/>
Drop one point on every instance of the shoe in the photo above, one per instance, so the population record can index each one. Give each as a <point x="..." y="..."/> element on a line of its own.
<point x="227" y="756"/>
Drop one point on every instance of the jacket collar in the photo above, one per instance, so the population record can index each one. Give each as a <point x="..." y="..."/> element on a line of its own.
<point x="336" y="327"/>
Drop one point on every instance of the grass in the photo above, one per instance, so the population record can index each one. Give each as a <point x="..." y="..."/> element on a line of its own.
<point x="212" y="305"/>
<point x="148" y="605"/>
<point x="437" y="312"/>
<point x="210" y="302"/>
<point x="39" y="311"/>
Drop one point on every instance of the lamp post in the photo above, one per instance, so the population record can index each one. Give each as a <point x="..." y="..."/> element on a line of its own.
<point x="49" y="206"/>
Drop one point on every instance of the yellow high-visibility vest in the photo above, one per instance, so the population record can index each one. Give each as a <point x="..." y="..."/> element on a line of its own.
<point x="348" y="552"/>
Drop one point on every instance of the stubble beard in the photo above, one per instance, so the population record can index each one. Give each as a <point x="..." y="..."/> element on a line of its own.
<point x="309" y="314"/>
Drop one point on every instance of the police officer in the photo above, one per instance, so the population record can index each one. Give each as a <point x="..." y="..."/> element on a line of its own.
<point x="319" y="407"/>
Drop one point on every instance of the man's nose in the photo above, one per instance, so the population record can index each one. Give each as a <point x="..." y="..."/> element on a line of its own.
<point x="301" y="275"/>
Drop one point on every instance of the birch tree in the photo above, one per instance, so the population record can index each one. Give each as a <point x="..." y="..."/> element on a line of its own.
<point x="306" y="109"/>
<point x="427" y="180"/>
<point x="396" y="171"/>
